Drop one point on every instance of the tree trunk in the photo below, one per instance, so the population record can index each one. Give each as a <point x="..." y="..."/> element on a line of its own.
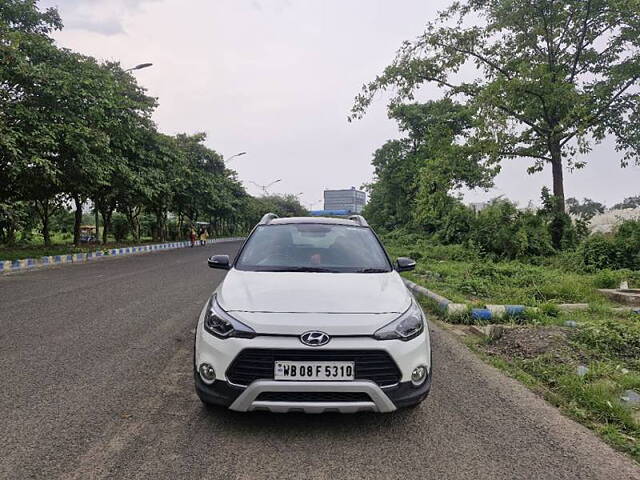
<point x="96" y="214"/>
<point x="165" y="225"/>
<point x="158" y="232"/>
<point x="132" y="214"/>
<point x="106" y="213"/>
<point x="558" y="175"/>
<point x="45" y="227"/>
<point x="43" y="208"/>
<point x="559" y="218"/>
<point x="77" y="220"/>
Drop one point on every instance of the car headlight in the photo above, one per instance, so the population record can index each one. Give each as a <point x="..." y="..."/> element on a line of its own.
<point x="219" y="323"/>
<point x="409" y="325"/>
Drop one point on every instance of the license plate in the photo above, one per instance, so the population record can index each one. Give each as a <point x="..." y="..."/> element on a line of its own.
<point x="313" y="371"/>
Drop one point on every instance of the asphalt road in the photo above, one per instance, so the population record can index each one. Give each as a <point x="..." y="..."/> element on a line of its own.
<point x="95" y="382"/>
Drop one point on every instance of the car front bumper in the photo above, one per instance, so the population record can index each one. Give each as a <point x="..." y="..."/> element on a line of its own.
<point x="221" y="353"/>
<point x="245" y="399"/>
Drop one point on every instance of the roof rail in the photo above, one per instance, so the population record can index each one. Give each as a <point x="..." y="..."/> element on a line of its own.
<point x="266" y="219"/>
<point x="359" y="219"/>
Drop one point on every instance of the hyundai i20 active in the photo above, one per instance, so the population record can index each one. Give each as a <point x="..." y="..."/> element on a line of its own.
<point x="312" y="316"/>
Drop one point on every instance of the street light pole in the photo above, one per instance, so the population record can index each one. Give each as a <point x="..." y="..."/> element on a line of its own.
<point x="234" y="156"/>
<point x="139" y="67"/>
<point x="265" y="187"/>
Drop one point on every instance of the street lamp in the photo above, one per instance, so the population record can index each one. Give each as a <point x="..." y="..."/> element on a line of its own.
<point x="139" y="67"/>
<point x="265" y="187"/>
<point x="236" y="155"/>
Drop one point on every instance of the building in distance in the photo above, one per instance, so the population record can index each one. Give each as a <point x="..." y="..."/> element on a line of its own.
<point x="350" y="200"/>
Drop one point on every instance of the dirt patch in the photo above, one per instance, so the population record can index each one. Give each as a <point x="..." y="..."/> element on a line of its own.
<point x="532" y="342"/>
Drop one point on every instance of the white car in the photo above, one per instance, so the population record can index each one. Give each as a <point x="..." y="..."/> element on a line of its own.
<point x="312" y="316"/>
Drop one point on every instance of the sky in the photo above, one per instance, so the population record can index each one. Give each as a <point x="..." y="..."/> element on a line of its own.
<point x="277" y="78"/>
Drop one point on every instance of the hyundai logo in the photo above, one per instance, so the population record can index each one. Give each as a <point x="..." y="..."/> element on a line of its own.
<point x="315" y="338"/>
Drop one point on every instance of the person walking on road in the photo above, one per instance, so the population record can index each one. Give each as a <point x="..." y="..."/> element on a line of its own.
<point x="192" y="236"/>
<point x="203" y="236"/>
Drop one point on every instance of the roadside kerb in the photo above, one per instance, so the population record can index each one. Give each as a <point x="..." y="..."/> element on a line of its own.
<point x="7" y="266"/>
<point x="451" y="309"/>
<point x="493" y="312"/>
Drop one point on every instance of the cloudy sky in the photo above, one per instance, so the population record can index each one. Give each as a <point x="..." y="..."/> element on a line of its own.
<point x="276" y="78"/>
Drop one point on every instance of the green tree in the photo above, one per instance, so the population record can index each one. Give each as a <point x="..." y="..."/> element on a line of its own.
<point x="125" y="178"/>
<point x="415" y="175"/>
<point x="282" y="205"/>
<point x="629" y="202"/>
<point x="28" y="169"/>
<point x="585" y="210"/>
<point x="552" y="77"/>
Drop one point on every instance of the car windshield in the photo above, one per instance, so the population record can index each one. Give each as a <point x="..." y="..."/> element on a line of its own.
<point x="313" y="247"/>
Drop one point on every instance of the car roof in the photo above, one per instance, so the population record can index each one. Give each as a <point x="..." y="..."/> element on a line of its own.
<point x="320" y="220"/>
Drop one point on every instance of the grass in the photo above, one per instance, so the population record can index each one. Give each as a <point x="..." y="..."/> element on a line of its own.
<point x="594" y="399"/>
<point x="607" y="342"/>
<point x="61" y="246"/>
<point x="464" y="277"/>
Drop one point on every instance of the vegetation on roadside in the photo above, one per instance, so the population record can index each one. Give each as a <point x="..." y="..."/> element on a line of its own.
<point x="551" y="79"/>
<point x="465" y="274"/>
<point x="38" y="251"/>
<point x="585" y="371"/>
<point x="29" y="243"/>
<point x="584" y="362"/>
<point x="76" y="135"/>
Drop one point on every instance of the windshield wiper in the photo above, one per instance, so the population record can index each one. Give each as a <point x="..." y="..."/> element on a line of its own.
<point x="372" y="270"/>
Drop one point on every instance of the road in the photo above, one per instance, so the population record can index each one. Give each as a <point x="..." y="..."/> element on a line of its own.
<point x="95" y="368"/>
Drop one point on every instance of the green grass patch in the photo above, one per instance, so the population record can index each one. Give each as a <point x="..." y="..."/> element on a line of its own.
<point x="604" y="343"/>
<point x="63" y="248"/>
<point x="463" y="276"/>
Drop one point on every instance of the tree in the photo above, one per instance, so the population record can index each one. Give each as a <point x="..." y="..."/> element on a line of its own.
<point x="197" y="192"/>
<point x="282" y="205"/>
<point x="585" y="210"/>
<point x="125" y="171"/>
<point x="416" y="174"/>
<point x="629" y="202"/>
<point x="552" y="78"/>
<point x="28" y="169"/>
<point x="73" y="130"/>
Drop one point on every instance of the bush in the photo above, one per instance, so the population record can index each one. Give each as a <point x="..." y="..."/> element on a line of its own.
<point x="503" y="231"/>
<point x="600" y="252"/>
<point x="456" y="226"/>
<point x="62" y="220"/>
<point x="621" y="250"/>
<point x="609" y="278"/>
<point x="120" y="227"/>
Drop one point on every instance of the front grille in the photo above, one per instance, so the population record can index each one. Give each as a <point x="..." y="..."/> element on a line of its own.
<point x="255" y="364"/>
<point x="313" y="397"/>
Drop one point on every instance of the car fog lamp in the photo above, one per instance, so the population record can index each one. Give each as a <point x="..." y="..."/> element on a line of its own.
<point x="207" y="373"/>
<point x="418" y="375"/>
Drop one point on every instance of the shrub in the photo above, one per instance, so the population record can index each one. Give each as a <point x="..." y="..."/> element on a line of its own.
<point x="120" y="227"/>
<point x="621" y="250"/>
<point x="62" y="220"/>
<point x="609" y="278"/>
<point x="600" y="252"/>
<point x="503" y="231"/>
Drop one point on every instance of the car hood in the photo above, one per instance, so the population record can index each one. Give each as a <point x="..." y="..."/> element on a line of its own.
<point x="309" y="292"/>
<point x="291" y="303"/>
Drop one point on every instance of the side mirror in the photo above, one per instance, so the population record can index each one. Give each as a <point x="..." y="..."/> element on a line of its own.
<point x="219" y="261"/>
<point x="404" y="264"/>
